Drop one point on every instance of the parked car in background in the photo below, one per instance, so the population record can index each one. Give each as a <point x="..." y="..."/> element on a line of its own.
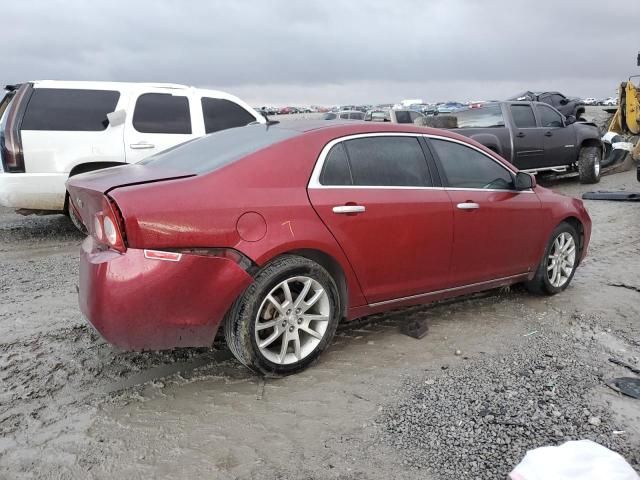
<point x="590" y="101"/>
<point x="610" y="102"/>
<point x="393" y="116"/>
<point x="565" y="105"/>
<point x="51" y="130"/>
<point x="535" y="137"/>
<point x="344" y="115"/>
<point x="279" y="260"/>
<point x="450" y="107"/>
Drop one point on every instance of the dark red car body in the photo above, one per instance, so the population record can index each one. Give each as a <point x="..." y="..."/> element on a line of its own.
<point x="411" y="246"/>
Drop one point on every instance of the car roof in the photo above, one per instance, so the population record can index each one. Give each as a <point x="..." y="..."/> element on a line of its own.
<point x="103" y="85"/>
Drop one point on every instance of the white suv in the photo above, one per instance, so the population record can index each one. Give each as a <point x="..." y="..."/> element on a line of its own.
<point x="51" y="130"/>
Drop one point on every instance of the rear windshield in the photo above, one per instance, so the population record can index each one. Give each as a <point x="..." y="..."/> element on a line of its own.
<point x="209" y="153"/>
<point x="487" y="116"/>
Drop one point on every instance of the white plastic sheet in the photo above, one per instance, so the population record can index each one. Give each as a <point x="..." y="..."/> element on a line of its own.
<point x="577" y="460"/>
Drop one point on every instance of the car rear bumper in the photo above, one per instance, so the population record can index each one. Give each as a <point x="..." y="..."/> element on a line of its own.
<point x="137" y="303"/>
<point x="33" y="191"/>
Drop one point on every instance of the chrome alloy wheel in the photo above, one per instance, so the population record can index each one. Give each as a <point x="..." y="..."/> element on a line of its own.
<point x="292" y="320"/>
<point x="561" y="260"/>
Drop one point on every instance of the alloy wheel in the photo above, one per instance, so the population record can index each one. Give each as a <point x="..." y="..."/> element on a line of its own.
<point x="292" y="320"/>
<point x="561" y="260"/>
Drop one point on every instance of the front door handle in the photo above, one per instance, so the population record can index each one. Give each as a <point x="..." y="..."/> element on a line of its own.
<point x="141" y="146"/>
<point x="349" y="209"/>
<point x="520" y="135"/>
<point x="548" y="134"/>
<point x="468" y="206"/>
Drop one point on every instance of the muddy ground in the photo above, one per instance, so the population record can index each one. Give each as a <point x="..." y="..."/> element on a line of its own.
<point x="73" y="407"/>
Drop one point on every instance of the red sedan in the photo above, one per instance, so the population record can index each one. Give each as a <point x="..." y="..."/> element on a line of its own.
<point x="277" y="233"/>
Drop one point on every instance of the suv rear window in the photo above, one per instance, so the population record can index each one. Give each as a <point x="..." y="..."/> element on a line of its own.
<point x="209" y="153"/>
<point x="65" y="109"/>
<point x="220" y="114"/>
<point x="487" y="116"/>
<point x="162" y="113"/>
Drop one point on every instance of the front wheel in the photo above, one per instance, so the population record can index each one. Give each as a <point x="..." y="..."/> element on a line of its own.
<point x="589" y="164"/>
<point x="286" y="317"/>
<point x="559" y="263"/>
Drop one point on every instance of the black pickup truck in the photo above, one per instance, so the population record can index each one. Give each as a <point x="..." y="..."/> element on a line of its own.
<point x="535" y="137"/>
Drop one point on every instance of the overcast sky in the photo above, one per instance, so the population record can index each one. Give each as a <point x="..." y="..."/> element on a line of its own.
<point x="329" y="52"/>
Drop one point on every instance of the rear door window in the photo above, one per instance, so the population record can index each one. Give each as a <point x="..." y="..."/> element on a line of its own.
<point x="465" y="167"/>
<point x="523" y="116"/>
<point x="489" y="116"/>
<point x="162" y="113"/>
<point x="387" y="161"/>
<point x="220" y="114"/>
<point x="63" y="109"/>
<point x="335" y="170"/>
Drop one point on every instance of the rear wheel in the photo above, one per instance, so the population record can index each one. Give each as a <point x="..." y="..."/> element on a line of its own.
<point x="589" y="164"/>
<point x="286" y="318"/>
<point x="559" y="263"/>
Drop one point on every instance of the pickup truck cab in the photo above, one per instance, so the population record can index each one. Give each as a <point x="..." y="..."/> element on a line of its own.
<point x="51" y="130"/>
<point x="535" y="137"/>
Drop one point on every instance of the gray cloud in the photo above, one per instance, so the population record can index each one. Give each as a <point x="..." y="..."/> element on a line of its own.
<point x="284" y="51"/>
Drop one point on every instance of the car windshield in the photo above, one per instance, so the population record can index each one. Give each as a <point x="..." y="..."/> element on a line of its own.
<point x="209" y="153"/>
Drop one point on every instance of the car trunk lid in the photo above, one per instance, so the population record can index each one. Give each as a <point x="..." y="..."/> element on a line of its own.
<point x="87" y="191"/>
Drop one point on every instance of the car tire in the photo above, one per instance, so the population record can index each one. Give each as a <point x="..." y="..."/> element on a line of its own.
<point x="589" y="164"/>
<point x="272" y="339"/>
<point x="545" y="282"/>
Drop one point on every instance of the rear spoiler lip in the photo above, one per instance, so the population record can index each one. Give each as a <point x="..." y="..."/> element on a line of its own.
<point x="144" y="182"/>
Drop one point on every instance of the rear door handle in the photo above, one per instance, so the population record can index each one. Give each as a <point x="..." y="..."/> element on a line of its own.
<point x="520" y="135"/>
<point x="548" y="134"/>
<point x="349" y="209"/>
<point x="141" y="146"/>
<point x="468" y="206"/>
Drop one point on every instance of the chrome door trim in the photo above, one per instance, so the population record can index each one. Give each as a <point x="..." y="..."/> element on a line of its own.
<point x="446" y="290"/>
<point x="314" y="181"/>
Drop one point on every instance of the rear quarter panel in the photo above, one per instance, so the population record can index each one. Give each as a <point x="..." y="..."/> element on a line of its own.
<point x="204" y="211"/>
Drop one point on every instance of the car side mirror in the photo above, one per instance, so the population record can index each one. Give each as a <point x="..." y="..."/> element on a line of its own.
<point x="564" y="101"/>
<point x="525" y="181"/>
<point x="116" y="118"/>
<point x="569" y="120"/>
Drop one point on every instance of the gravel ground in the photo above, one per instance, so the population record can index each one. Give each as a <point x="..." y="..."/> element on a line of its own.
<point x="377" y="405"/>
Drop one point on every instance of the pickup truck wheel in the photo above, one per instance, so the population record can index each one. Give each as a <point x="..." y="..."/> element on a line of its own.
<point x="589" y="164"/>
<point x="285" y="318"/>
<point x="556" y="269"/>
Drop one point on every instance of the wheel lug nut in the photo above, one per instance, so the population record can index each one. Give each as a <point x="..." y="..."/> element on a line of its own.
<point x="291" y="328"/>
<point x="288" y="312"/>
<point x="299" y="320"/>
<point x="298" y="310"/>
<point x="284" y="324"/>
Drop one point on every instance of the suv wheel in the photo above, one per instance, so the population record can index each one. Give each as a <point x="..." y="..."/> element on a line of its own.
<point x="589" y="164"/>
<point x="286" y="318"/>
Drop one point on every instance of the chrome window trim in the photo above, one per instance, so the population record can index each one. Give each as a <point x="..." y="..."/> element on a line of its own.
<point x="314" y="181"/>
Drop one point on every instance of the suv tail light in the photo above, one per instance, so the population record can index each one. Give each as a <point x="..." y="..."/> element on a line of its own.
<point x="10" y="138"/>
<point x="108" y="226"/>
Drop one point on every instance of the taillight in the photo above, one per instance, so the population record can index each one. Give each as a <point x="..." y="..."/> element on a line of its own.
<point x="108" y="226"/>
<point x="12" y="155"/>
